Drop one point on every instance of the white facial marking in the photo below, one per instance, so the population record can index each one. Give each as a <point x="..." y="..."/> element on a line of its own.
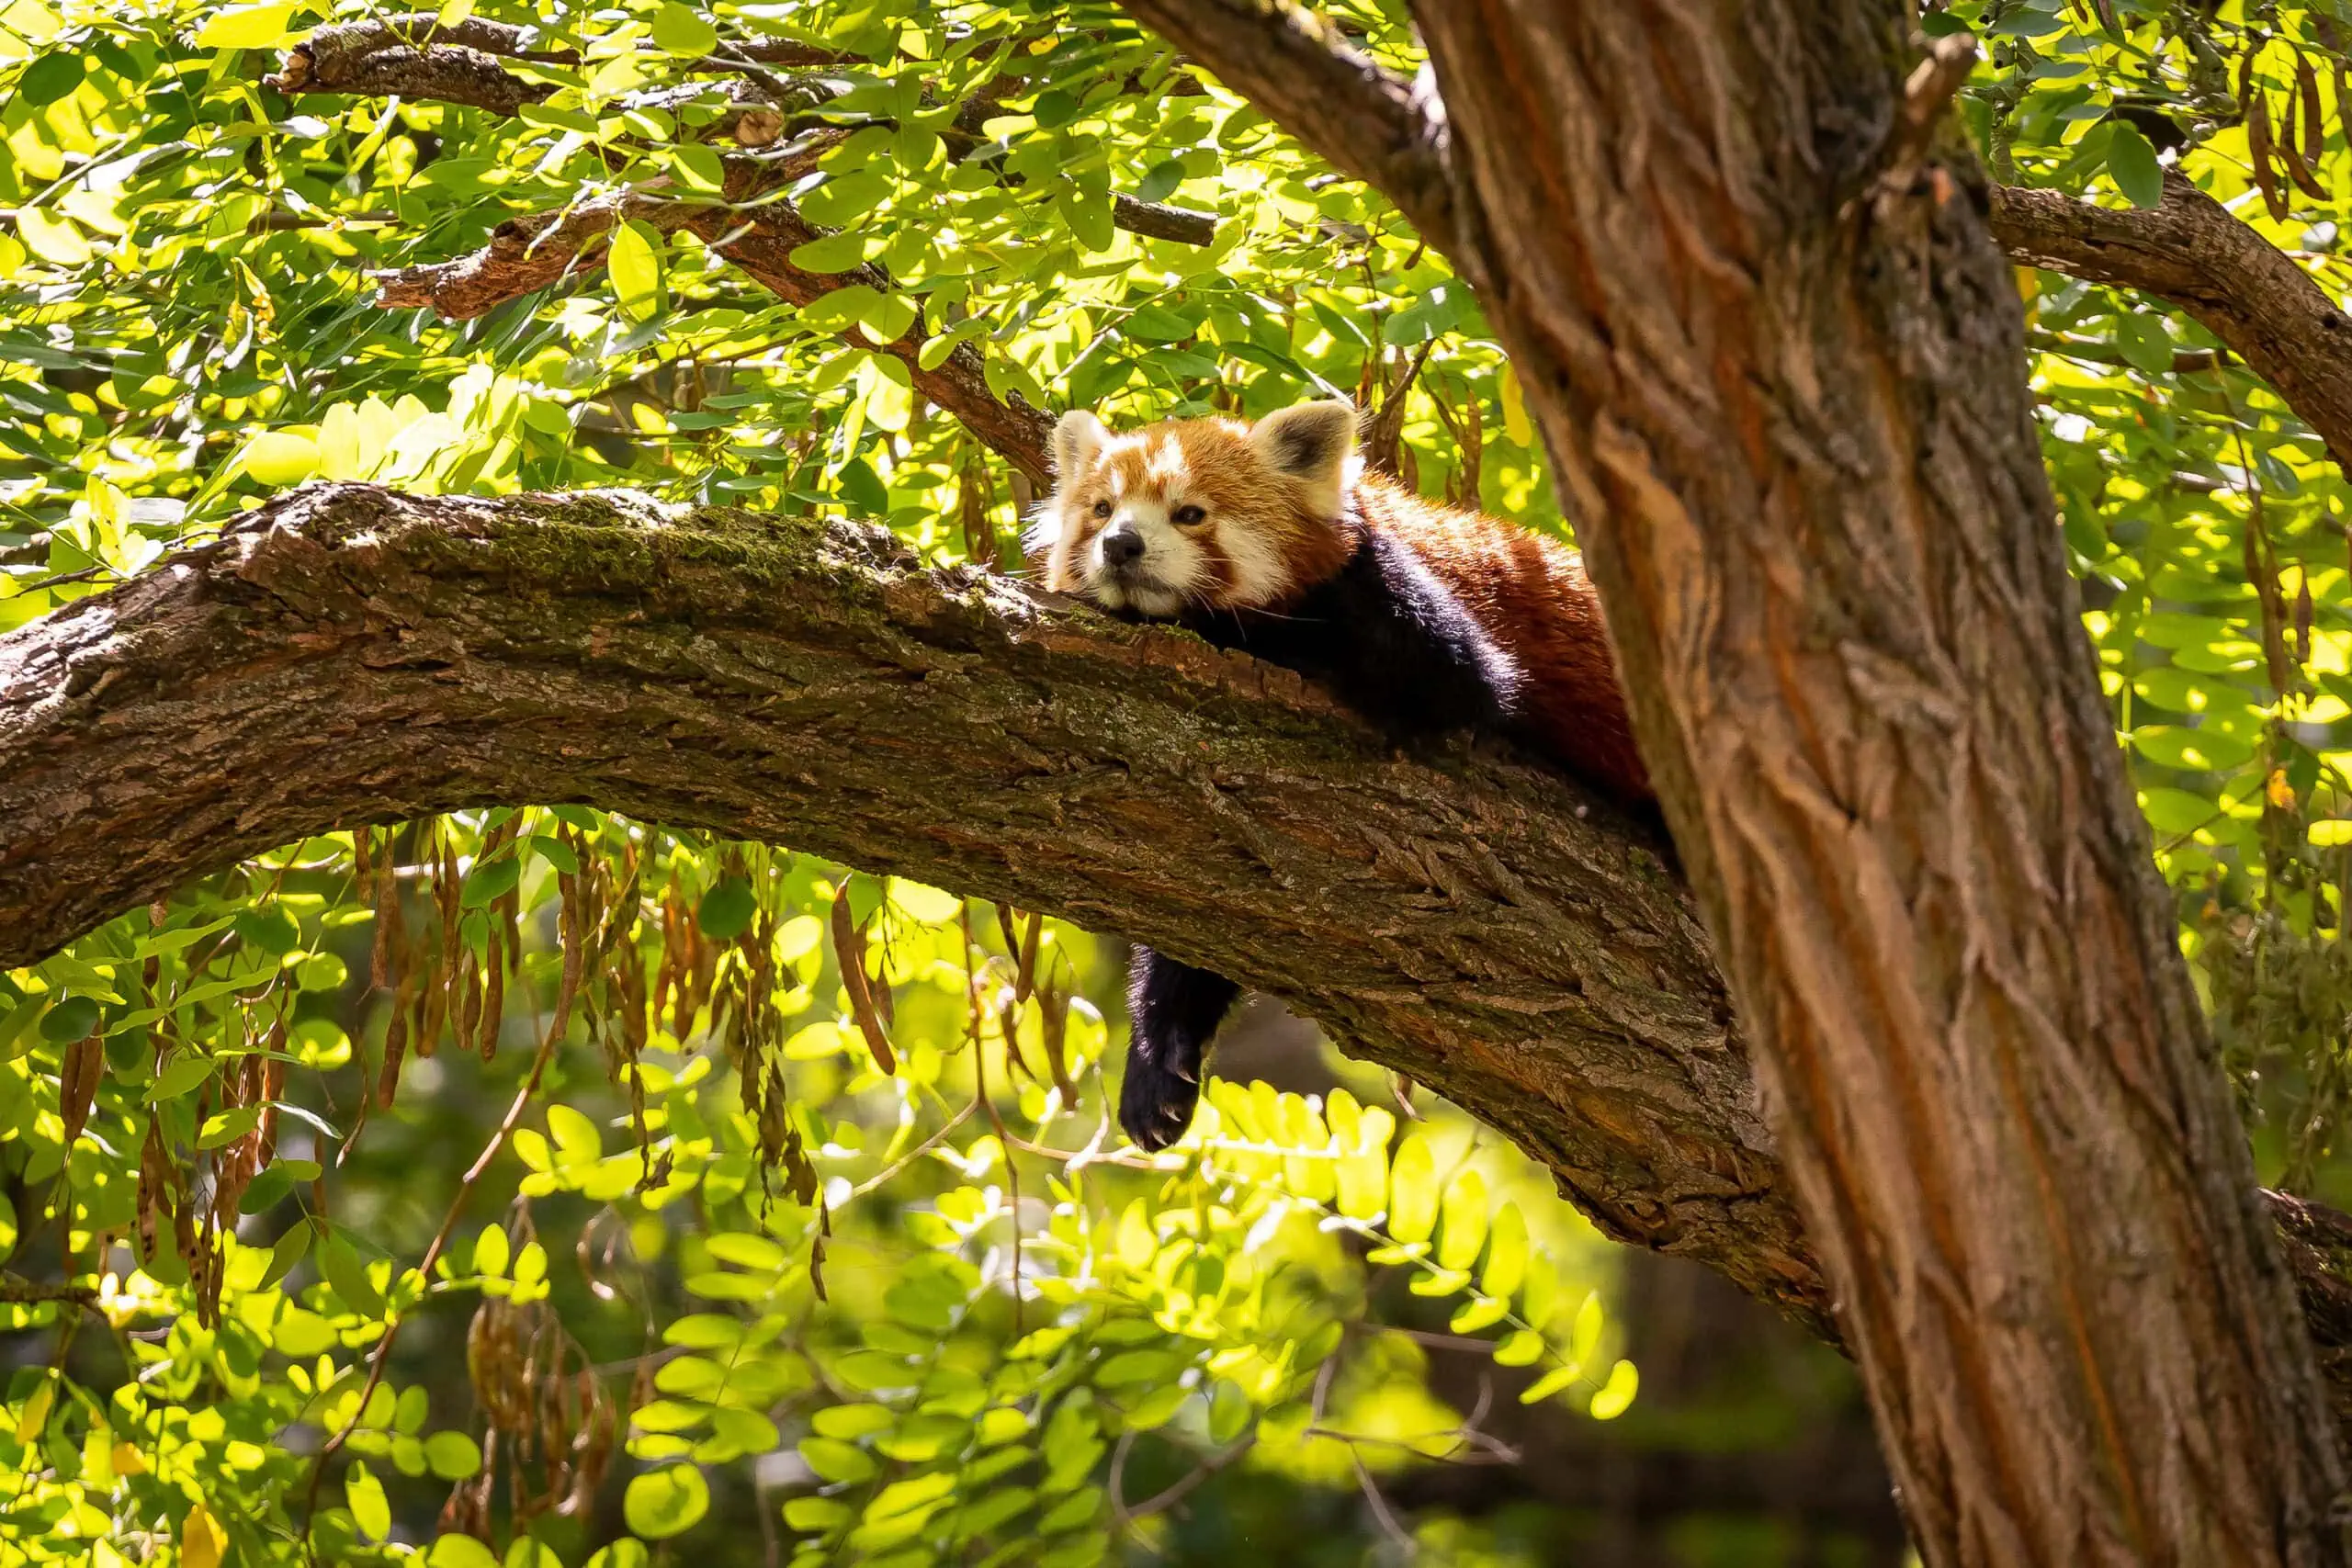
<point x="1169" y="572"/>
<point x="1259" y="572"/>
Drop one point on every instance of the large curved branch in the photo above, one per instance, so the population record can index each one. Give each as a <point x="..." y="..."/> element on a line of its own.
<point x="2190" y="252"/>
<point x="352" y="655"/>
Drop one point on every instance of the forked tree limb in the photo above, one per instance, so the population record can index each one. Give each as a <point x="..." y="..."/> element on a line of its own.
<point x="537" y="252"/>
<point x="1779" y="364"/>
<point x="352" y="655"/>
<point x="2190" y="251"/>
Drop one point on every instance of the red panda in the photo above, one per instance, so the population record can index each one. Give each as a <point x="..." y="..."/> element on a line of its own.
<point x="1423" y="618"/>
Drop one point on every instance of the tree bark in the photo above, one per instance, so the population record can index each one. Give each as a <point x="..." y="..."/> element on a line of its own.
<point x="2190" y="251"/>
<point x="353" y="655"/>
<point x="1778" y="361"/>
<point x="350" y="654"/>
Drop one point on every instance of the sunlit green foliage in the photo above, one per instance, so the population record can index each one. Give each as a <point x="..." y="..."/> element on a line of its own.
<point x="802" y="1254"/>
<point x="717" y="1270"/>
<point x="2207" y="520"/>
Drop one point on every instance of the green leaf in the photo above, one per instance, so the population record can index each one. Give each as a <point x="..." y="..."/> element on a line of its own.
<point x="663" y="1503"/>
<point x="726" y="911"/>
<point x="1616" y="1393"/>
<point x="698" y="169"/>
<point x="50" y="78"/>
<point x="68" y="1020"/>
<point x="577" y="1142"/>
<point x="452" y="1456"/>
<point x="1478" y="1313"/>
<point x="1506" y="1253"/>
<point x="1229" y="1411"/>
<point x="810" y="1515"/>
<point x="1089" y="219"/>
<point x="228" y="1126"/>
<point x="888" y="319"/>
<point x="924" y="906"/>
<point x="347" y="1277"/>
<point x="1412" y="1192"/>
<point x="2133" y="164"/>
<point x="635" y="260"/>
<point x="1161" y="181"/>
<point x="2144" y="341"/>
<point x="679" y="31"/>
<point x="460" y="1551"/>
<point x="180" y="1075"/>
<point x="1156" y="323"/>
<point x="491" y="880"/>
<point x="52" y="238"/>
<point x="322" y="972"/>
<point x="831" y="252"/>
<point x="554" y="851"/>
<point x="1464" y="1233"/>
<point x="845" y="1463"/>
<point x="1550" y="1384"/>
<point x="248" y="27"/>
<point x="270" y="930"/>
<point x="278" y="458"/>
<point x="867" y="497"/>
<point x="286" y="1254"/>
<point x="371" y="1511"/>
<point x="1584" y="1332"/>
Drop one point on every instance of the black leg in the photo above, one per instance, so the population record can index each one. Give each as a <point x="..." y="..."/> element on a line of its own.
<point x="1175" y="1010"/>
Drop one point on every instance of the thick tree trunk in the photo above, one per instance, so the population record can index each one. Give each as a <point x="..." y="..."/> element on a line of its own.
<point x="1779" y="366"/>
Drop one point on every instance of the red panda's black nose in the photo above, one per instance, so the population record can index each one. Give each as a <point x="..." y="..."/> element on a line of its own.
<point x="1122" y="544"/>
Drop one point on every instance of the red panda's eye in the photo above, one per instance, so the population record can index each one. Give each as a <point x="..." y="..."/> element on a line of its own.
<point x="1187" y="516"/>
<point x="1101" y="508"/>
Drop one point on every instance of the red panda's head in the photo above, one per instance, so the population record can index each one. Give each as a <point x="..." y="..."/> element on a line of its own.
<point x="1198" y="513"/>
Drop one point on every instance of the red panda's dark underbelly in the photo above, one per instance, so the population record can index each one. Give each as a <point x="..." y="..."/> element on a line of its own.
<point x="1533" y="597"/>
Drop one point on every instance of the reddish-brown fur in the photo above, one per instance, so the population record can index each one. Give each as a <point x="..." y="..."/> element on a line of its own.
<point x="1529" y="594"/>
<point x="1533" y="597"/>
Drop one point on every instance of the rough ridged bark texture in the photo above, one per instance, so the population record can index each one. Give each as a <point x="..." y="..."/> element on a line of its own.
<point x="1778" y="362"/>
<point x="354" y="655"/>
<point x="2190" y="250"/>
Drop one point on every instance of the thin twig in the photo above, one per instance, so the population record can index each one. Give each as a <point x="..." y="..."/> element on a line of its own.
<point x="980" y="1094"/>
<point x="1405" y="1543"/>
<point x="1159" y="1502"/>
<point x="887" y="1171"/>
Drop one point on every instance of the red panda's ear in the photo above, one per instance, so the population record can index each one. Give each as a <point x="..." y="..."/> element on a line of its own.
<point x="1312" y="443"/>
<point x="1077" y="438"/>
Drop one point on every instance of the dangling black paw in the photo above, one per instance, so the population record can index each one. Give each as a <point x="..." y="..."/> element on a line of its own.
<point x="1155" y="1104"/>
